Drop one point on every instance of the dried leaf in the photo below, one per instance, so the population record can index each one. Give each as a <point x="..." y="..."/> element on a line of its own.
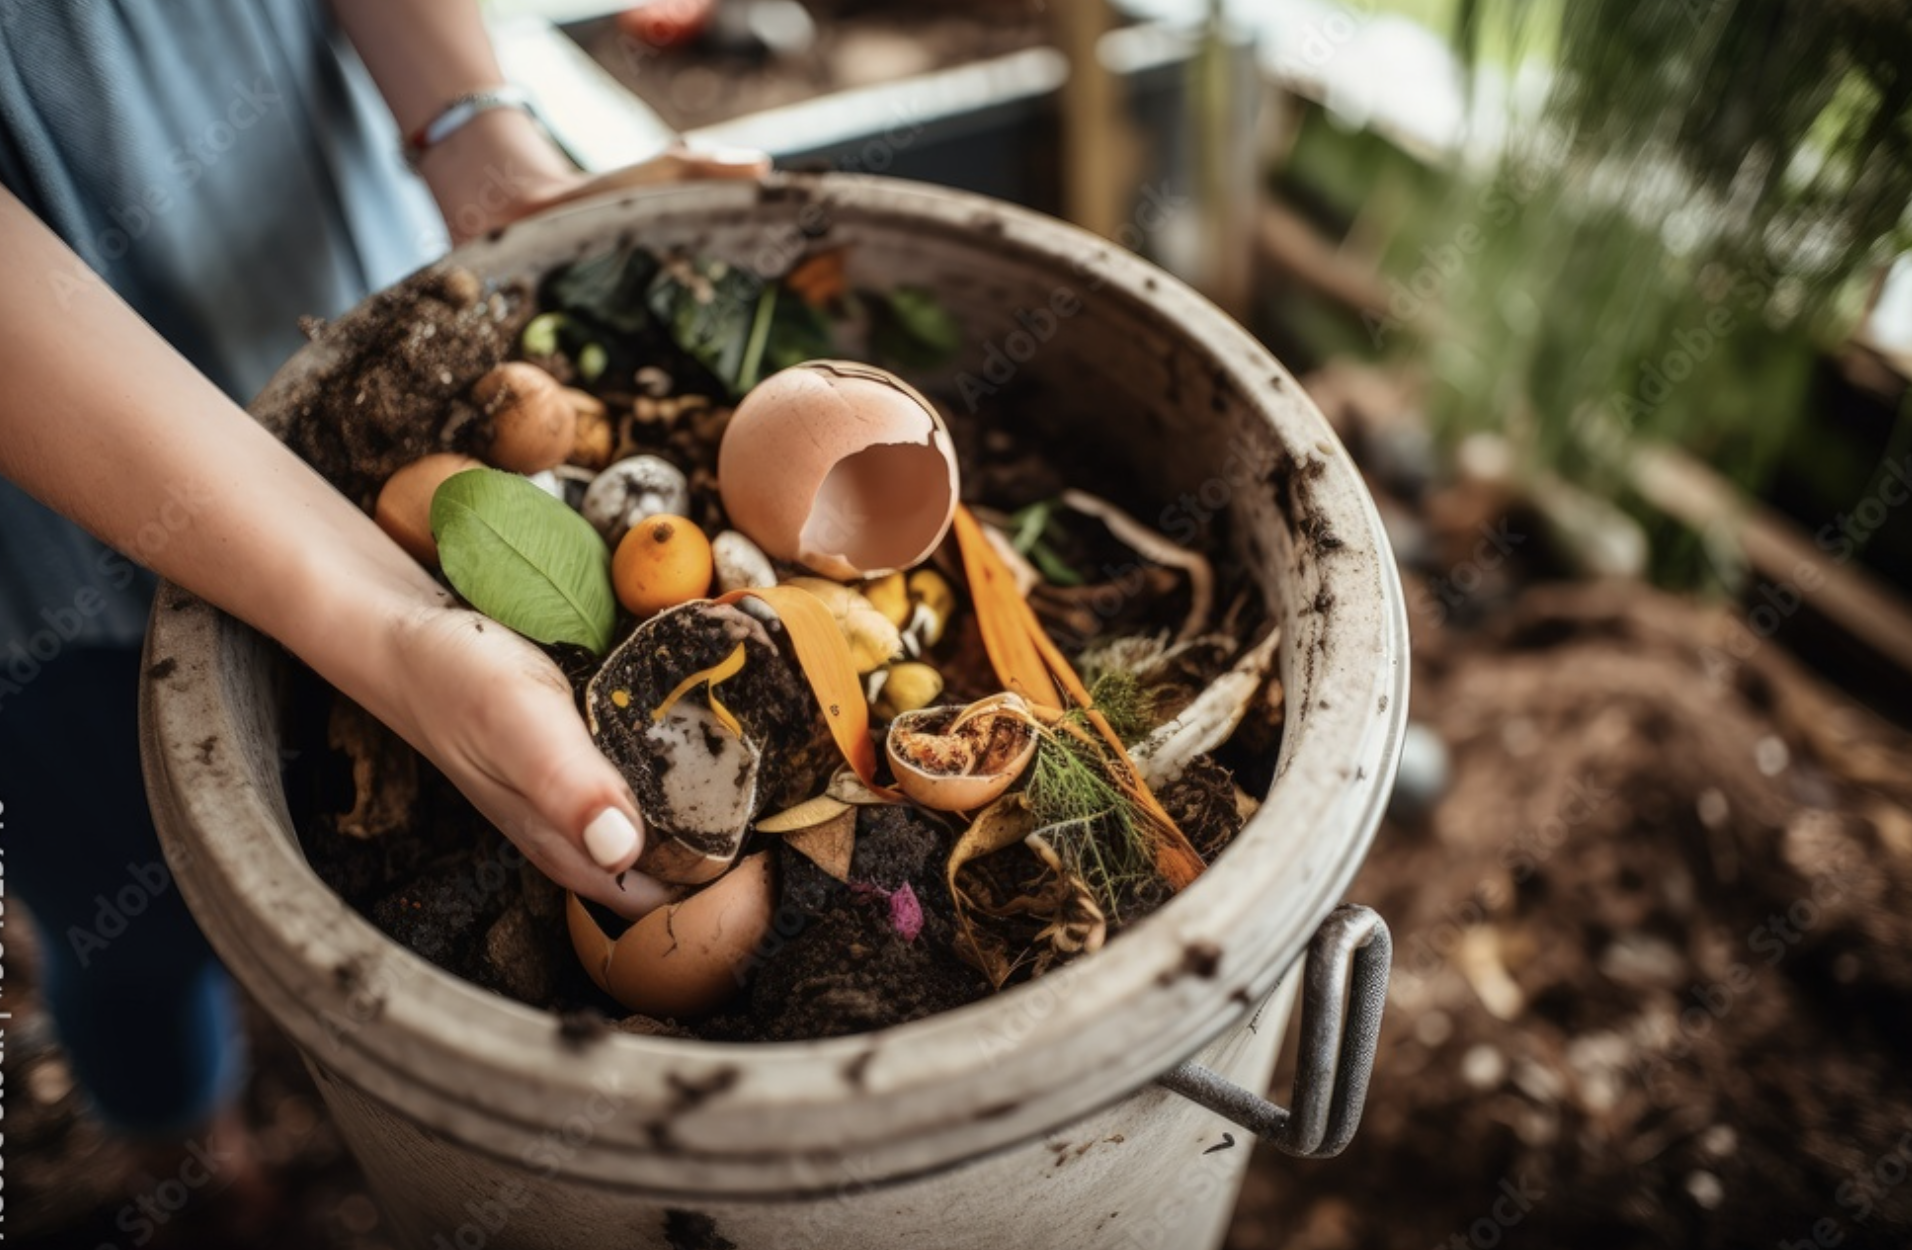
<point x="384" y="772"/>
<point x="1206" y="723"/>
<point x="805" y="815"/>
<point x="829" y="845"/>
<point x="1003" y="823"/>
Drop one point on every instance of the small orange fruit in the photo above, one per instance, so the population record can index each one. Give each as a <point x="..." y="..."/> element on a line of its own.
<point x="663" y="561"/>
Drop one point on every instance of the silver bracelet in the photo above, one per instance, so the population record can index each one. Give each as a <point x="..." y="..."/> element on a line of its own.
<point x="462" y="109"/>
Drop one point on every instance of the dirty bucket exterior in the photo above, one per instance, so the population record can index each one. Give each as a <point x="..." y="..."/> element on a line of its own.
<point x="1030" y="1119"/>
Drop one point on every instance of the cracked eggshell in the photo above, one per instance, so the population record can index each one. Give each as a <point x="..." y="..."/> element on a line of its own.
<point x="684" y="959"/>
<point x="970" y="783"/>
<point x="842" y="467"/>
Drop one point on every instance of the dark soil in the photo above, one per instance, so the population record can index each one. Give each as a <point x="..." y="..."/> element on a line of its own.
<point x="838" y="964"/>
<point x="1651" y="953"/>
<point x="406" y="360"/>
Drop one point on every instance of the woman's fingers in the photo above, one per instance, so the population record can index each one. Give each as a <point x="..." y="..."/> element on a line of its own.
<point x="675" y="164"/>
<point x="498" y="717"/>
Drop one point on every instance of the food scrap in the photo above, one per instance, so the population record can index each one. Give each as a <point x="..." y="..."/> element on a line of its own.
<point x="850" y="653"/>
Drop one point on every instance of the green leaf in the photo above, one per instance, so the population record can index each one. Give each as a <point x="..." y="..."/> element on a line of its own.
<point x="524" y="559"/>
<point x="798" y="333"/>
<point x="910" y="327"/>
<point x="609" y="289"/>
<point x="709" y="316"/>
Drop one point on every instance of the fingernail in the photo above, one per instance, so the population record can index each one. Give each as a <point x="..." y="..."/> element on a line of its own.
<point x="610" y="837"/>
<point x="742" y="157"/>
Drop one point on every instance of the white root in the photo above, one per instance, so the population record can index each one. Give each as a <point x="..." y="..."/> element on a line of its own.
<point x="1206" y="723"/>
<point x="1027" y="579"/>
<point x="1154" y="547"/>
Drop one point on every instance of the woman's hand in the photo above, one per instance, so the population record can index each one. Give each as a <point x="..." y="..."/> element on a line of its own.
<point x="500" y="167"/>
<point x="498" y="718"/>
<point x="264" y="537"/>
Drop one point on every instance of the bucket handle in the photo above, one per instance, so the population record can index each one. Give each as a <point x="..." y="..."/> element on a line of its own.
<point x="1349" y="957"/>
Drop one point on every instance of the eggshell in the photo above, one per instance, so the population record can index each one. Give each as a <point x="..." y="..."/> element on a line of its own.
<point x="684" y="959"/>
<point x="841" y="467"/>
<point x="404" y="508"/>
<point x="956" y="791"/>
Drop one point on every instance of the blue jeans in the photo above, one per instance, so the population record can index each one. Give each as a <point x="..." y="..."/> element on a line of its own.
<point x="147" y="1016"/>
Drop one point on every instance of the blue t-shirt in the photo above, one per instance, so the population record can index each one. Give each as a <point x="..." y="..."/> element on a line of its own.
<point x="227" y="167"/>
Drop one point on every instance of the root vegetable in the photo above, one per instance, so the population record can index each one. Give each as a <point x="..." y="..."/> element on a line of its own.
<point x="404" y="508"/>
<point x="533" y="424"/>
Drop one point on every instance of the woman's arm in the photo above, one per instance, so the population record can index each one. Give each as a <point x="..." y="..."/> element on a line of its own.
<point x="106" y="423"/>
<point x="499" y="166"/>
<point x="425" y="53"/>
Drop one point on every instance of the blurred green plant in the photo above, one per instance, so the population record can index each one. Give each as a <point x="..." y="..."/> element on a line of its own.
<point x="1664" y="248"/>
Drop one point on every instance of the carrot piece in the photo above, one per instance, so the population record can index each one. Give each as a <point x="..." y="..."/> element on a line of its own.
<point x="1004" y="618"/>
<point x="825" y="659"/>
<point x="1028" y="661"/>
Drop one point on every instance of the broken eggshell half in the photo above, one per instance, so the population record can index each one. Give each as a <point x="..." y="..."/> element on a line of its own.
<point x="957" y="759"/>
<point x="709" y="722"/>
<point x="683" y="959"/>
<point x="842" y="467"/>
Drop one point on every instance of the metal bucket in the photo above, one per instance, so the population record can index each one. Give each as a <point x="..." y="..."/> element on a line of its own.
<point x="1041" y="1117"/>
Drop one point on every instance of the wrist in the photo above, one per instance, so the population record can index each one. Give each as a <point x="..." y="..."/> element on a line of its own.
<point x="492" y="169"/>
<point x="344" y="606"/>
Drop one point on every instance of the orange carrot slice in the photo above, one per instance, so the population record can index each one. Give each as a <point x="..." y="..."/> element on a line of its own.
<point x="825" y="659"/>
<point x="1028" y="661"/>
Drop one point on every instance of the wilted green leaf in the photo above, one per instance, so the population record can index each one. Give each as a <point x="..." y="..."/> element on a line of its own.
<point x="524" y="559"/>
<point x="798" y="333"/>
<point x="709" y="317"/>
<point x="610" y="290"/>
<point x="910" y="327"/>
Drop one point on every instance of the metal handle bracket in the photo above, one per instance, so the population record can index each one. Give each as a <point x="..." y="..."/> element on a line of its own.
<point x="1349" y="958"/>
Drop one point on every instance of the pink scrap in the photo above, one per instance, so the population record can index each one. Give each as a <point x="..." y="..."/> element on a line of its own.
<point x="906" y="913"/>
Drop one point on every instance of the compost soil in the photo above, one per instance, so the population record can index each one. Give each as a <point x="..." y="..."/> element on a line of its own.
<point x="388" y="834"/>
